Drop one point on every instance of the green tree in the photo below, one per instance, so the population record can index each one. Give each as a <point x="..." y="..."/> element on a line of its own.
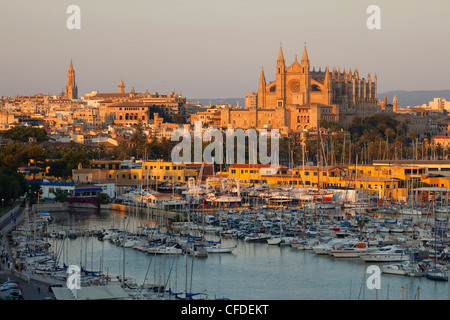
<point x="12" y="185"/>
<point x="22" y="134"/>
<point x="103" y="198"/>
<point x="61" y="195"/>
<point x="33" y="191"/>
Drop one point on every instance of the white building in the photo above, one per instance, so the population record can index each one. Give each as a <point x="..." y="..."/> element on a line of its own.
<point x="48" y="188"/>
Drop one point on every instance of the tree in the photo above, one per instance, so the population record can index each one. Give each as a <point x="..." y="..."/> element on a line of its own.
<point x="58" y="169"/>
<point x="22" y="134"/>
<point x="73" y="158"/>
<point x="61" y="195"/>
<point x="33" y="191"/>
<point x="103" y="198"/>
<point x="12" y="185"/>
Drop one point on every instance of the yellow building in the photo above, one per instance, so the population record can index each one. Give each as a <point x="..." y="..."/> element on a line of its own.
<point x="338" y="176"/>
<point x="153" y="170"/>
<point x="254" y="173"/>
<point x="401" y="172"/>
<point x="378" y="186"/>
<point x="437" y="181"/>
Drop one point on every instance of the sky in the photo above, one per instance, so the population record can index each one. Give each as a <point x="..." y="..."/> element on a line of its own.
<point x="215" y="49"/>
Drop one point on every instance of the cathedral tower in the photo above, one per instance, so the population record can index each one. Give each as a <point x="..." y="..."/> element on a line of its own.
<point x="305" y="77"/>
<point x="71" y="88"/>
<point x="121" y="87"/>
<point x="262" y="90"/>
<point x="280" y="77"/>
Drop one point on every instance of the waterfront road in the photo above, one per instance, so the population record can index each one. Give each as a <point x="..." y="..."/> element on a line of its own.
<point x="34" y="290"/>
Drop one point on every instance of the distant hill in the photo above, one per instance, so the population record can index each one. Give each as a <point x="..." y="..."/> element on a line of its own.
<point x="414" y="98"/>
<point x="232" y="101"/>
<point x="405" y="98"/>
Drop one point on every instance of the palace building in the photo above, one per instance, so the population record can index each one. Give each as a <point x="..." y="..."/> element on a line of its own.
<point x="300" y="98"/>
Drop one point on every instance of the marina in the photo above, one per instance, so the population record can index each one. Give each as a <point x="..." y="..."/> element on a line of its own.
<point x="253" y="252"/>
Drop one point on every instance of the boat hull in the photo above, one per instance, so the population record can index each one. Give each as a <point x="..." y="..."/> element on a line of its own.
<point x="374" y="257"/>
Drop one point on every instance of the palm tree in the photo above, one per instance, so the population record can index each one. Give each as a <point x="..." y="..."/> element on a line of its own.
<point x="389" y="132"/>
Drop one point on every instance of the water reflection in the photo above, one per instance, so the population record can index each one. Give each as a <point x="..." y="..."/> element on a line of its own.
<point x="253" y="271"/>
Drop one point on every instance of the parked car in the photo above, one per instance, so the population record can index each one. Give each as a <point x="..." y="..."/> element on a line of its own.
<point x="10" y="284"/>
<point x="16" y="292"/>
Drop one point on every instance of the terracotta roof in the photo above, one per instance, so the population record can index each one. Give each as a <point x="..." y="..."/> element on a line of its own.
<point x="246" y="166"/>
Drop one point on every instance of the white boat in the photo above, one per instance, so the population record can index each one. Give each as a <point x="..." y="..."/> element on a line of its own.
<point x="389" y="253"/>
<point x="303" y="245"/>
<point x="256" y="238"/>
<point x="170" y="248"/>
<point x="327" y="205"/>
<point x="198" y="251"/>
<point x="403" y="268"/>
<point x="352" y="250"/>
<point x="440" y="275"/>
<point x="442" y="209"/>
<point x="325" y="248"/>
<point x="217" y="248"/>
<point x="274" y="241"/>
<point x="410" y="211"/>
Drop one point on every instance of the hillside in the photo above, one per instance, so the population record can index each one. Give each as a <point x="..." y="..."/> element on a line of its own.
<point x="405" y="98"/>
<point x="414" y="98"/>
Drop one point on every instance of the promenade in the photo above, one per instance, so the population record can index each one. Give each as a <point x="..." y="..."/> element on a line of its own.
<point x="34" y="286"/>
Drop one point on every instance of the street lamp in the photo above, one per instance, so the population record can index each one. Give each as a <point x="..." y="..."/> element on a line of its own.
<point x="2" y="204"/>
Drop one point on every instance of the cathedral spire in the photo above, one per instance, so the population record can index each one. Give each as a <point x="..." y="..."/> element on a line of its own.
<point x="305" y="59"/>
<point x="71" y="88"/>
<point x="262" y="80"/>
<point x="327" y="80"/>
<point x="280" y="56"/>
<point x="262" y="90"/>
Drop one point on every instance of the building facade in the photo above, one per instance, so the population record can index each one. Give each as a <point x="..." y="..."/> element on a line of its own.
<point x="300" y="97"/>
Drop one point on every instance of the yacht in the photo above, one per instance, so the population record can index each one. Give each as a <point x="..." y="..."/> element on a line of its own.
<point x="352" y="250"/>
<point x="325" y="248"/>
<point x="390" y="253"/>
<point x="404" y="268"/>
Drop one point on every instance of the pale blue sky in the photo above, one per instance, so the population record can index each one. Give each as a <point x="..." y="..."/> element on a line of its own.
<point x="215" y="49"/>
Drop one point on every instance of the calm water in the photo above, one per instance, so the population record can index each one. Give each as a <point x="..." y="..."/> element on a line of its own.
<point x="254" y="271"/>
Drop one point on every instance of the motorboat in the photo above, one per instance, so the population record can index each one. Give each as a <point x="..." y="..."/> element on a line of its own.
<point x="257" y="237"/>
<point x="404" y="268"/>
<point x="325" y="248"/>
<point x="352" y="250"/>
<point x="390" y="253"/>
<point x="303" y="245"/>
<point x="439" y="275"/>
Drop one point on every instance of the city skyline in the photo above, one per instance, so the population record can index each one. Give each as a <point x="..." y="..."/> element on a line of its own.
<point x="217" y="49"/>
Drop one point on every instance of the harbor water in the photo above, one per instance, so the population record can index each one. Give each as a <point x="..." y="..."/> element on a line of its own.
<point x="253" y="271"/>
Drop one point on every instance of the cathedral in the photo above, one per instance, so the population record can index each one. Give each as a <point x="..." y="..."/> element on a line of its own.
<point x="71" y="87"/>
<point x="300" y="98"/>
